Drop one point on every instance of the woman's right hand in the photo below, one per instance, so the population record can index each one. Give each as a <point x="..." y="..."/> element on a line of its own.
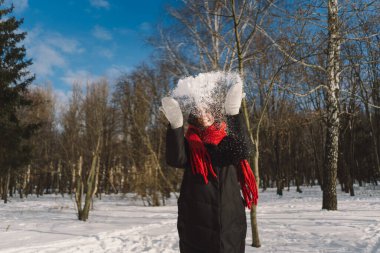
<point x="172" y="112"/>
<point x="233" y="99"/>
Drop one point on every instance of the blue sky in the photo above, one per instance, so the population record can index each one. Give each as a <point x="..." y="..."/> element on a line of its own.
<point x="83" y="40"/>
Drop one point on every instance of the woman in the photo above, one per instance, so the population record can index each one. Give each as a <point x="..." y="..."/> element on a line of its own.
<point x="211" y="214"/>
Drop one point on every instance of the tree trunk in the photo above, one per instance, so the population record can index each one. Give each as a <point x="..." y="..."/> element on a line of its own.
<point x="79" y="186"/>
<point x="255" y="142"/>
<point x="372" y="133"/>
<point x="73" y="180"/>
<point x="5" y="185"/>
<point x="91" y="183"/>
<point x="24" y="182"/>
<point x="332" y="121"/>
<point x="255" y="231"/>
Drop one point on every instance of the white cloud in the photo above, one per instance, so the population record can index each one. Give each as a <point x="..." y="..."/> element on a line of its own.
<point x="116" y="71"/>
<point x="125" y="31"/>
<point x="145" y="27"/>
<point x="64" y="44"/>
<point x="101" y="33"/>
<point x="80" y="77"/>
<point x="20" y="5"/>
<point x="106" y="52"/>
<point x="61" y="43"/>
<point x="62" y="98"/>
<point x="62" y="101"/>
<point x="48" y="51"/>
<point x="100" y="4"/>
<point x="45" y="59"/>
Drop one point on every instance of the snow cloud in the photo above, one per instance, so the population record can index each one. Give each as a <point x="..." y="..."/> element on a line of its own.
<point x="101" y="33"/>
<point x="100" y="4"/>
<point x="205" y="87"/>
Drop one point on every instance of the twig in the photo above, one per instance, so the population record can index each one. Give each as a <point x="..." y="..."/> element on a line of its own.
<point x="305" y="94"/>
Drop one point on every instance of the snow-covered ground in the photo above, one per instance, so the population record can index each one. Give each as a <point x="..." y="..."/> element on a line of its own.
<point x="292" y="223"/>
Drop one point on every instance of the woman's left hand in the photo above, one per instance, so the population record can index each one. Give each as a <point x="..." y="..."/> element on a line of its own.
<point x="233" y="99"/>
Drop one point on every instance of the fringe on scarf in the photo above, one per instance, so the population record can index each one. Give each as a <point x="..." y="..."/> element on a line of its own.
<point x="248" y="184"/>
<point x="200" y="162"/>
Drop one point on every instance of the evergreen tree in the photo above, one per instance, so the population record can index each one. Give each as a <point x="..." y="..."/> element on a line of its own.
<point x="14" y="81"/>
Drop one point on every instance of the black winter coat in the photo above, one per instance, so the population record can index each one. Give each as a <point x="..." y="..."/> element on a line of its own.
<point x="211" y="217"/>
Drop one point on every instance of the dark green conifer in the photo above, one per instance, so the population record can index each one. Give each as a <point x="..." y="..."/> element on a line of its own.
<point x="15" y="78"/>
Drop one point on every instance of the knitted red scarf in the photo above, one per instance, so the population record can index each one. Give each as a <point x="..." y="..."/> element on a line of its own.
<point x="201" y="162"/>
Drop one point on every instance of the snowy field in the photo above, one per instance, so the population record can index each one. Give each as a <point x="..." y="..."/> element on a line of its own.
<point x="292" y="223"/>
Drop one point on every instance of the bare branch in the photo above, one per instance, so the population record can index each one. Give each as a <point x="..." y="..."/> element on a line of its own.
<point x="318" y="67"/>
<point x="362" y="99"/>
<point x="363" y="38"/>
<point x="305" y="94"/>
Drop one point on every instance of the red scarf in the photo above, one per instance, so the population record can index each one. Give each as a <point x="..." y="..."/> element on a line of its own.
<point x="201" y="162"/>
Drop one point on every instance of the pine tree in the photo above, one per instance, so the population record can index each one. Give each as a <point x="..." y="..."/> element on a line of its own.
<point x="14" y="81"/>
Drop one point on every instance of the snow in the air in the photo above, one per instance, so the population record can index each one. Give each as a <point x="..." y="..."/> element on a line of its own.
<point x="205" y="89"/>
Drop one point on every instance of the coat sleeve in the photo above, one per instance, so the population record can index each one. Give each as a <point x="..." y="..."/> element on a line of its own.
<point x="176" y="148"/>
<point x="240" y="144"/>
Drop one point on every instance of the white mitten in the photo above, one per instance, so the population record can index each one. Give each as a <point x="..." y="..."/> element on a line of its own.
<point x="233" y="99"/>
<point x="172" y="111"/>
